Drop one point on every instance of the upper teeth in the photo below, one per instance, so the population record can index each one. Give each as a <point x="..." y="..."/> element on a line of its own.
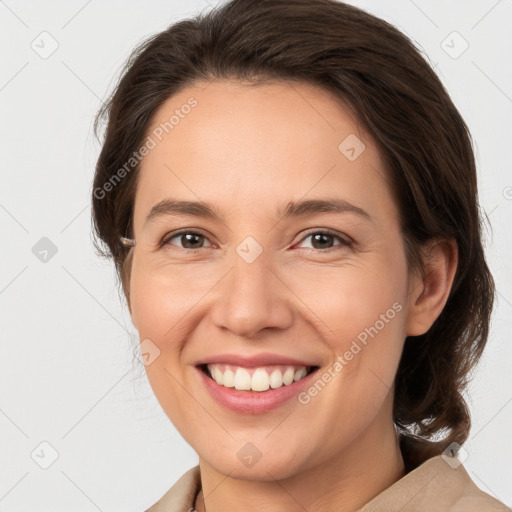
<point x="255" y="379"/>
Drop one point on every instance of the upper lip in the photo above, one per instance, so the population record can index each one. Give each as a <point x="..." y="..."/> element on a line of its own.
<point x="264" y="359"/>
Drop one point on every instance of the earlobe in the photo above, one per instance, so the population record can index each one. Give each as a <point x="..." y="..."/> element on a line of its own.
<point x="430" y="292"/>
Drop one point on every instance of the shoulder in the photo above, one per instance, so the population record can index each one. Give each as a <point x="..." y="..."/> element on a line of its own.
<point x="437" y="484"/>
<point x="182" y="495"/>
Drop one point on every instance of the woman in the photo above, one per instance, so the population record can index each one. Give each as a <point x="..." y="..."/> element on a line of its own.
<point x="305" y="377"/>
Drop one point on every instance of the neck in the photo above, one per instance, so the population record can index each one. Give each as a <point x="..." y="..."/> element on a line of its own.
<point x="344" y="482"/>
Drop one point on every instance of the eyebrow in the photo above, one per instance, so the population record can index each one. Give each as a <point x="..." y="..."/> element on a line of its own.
<point x="202" y="209"/>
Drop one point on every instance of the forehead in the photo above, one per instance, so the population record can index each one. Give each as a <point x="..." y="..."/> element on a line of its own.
<point x="235" y="141"/>
<point x="230" y="111"/>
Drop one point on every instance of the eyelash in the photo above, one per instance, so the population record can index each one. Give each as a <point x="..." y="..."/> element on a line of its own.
<point x="345" y="242"/>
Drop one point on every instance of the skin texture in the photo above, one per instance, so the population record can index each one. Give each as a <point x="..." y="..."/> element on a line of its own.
<point x="250" y="150"/>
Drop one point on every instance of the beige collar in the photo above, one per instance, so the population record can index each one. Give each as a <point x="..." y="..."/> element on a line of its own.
<point x="434" y="486"/>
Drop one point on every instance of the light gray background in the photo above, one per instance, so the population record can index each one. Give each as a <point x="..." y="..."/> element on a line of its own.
<point x="66" y="373"/>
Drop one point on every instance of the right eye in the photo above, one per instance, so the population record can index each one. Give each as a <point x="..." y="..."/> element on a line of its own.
<point x="188" y="239"/>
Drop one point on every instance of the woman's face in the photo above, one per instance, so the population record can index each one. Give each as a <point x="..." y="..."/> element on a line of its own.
<point x="320" y="287"/>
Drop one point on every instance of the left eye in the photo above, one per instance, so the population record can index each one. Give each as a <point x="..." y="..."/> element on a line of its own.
<point x="321" y="237"/>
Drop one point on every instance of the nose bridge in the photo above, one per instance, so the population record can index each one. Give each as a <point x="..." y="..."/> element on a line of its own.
<point x="251" y="297"/>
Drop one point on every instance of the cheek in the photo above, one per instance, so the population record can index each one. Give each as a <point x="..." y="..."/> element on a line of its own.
<point x="157" y="315"/>
<point x="157" y="306"/>
<point x="354" y="301"/>
<point x="365" y="314"/>
<point x="361" y="312"/>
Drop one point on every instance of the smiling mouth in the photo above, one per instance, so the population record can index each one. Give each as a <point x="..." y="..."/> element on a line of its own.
<point x="258" y="379"/>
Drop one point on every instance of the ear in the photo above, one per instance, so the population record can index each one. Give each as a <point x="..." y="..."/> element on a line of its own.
<point x="428" y="293"/>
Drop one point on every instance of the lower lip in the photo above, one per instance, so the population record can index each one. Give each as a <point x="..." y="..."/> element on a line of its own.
<point x="253" y="402"/>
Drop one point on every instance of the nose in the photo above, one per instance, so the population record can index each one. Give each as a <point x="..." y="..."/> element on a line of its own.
<point x="250" y="298"/>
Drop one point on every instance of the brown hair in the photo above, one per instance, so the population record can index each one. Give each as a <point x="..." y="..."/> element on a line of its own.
<point x="376" y="70"/>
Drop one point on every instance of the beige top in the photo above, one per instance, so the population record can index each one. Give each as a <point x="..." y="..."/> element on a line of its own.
<point x="433" y="486"/>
